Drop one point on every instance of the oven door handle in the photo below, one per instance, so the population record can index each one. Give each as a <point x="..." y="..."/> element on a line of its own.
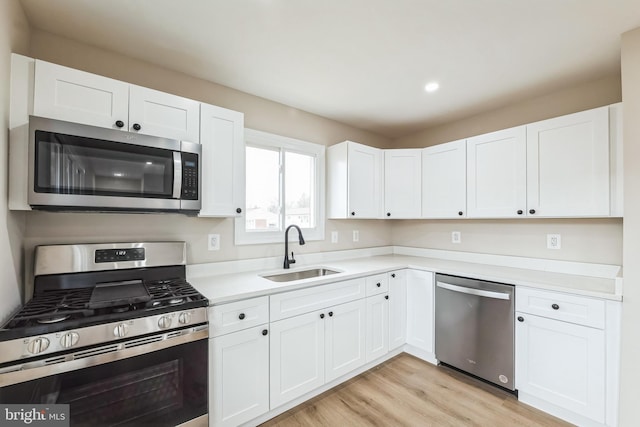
<point x="474" y="291"/>
<point x="85" y="358"/>
<point x="177" y="174"/>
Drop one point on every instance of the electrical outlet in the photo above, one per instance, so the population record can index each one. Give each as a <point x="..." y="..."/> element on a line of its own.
<point x="554" y="241"/>
<point x="213" y="242"/>
<point x="356" y="235"/>
<point x="456" y="237"/>
<point x="334" y="237"/>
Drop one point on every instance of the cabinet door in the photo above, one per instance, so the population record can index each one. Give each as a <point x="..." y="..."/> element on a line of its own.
<point x="296" y="357"/>
<point x="223" y="161"/>
<point x="420" y="314"/>
<point x="344" y="339"/>
<point x="444" y="180"/>
<point x="402" y="183"/>
<point x="239" y="376"/>
<point x="397" y="308"/>
<point x="364" y="181"/>
<point x="568" y="165"/>
<point x="162" y="114"/>
<point x="63" y="93"/>
<point x="561" y="363"/>
<point x="496" y="174"/>
<point x="377" y="326"/>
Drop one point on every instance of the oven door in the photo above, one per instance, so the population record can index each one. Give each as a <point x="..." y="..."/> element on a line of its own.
<point x="161" y="383"/>
<point x="73" y="165"/>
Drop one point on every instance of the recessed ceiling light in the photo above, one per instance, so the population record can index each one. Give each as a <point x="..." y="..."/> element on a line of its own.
<point x="431" y="87"/>
<point x="149" y="163"/>
<point x="118" y="174"/>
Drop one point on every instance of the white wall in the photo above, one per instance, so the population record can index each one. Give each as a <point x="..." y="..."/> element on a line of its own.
<point x="630" y="369"/>
<point x="14" y="37"/>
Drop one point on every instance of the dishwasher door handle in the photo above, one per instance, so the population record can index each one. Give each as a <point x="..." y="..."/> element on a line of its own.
<point x="473" y="291"/>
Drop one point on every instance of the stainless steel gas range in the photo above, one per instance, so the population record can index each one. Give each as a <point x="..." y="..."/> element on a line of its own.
<point x="113" y="330"/>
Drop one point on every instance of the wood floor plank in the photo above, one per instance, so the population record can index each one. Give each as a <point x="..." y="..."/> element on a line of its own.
<point x="406" y="391"/>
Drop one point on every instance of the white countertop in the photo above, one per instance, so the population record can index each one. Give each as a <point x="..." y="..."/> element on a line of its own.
<point x="221" y="288"/>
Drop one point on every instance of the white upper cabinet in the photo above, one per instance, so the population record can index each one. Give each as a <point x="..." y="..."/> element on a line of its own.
<point x="223" y="161"/>
<point x="71" y="95"/>
<point x="355" y="181"/>
<point x="152" y="112"/>
<point x="402" y="183"/>
<point x="568" y="165"/>
<point x="444" y="180"/>
<point x="497" y="174"/>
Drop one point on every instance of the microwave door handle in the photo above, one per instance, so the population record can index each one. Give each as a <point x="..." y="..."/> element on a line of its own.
<point x="177" y="174"/>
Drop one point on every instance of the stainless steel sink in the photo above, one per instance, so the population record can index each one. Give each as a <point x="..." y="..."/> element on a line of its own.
<point x="300" y="274"/>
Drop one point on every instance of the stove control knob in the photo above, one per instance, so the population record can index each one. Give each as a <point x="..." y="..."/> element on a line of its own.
<point x="69" y="339"/>
<point x="121" y="330"/>
<point x="184" y="318"/>
<point x="38" y="345"/>
<point x="164" y="322"/>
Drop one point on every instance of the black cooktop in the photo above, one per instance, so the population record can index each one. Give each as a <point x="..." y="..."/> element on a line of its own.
<point x="54" y="309"/>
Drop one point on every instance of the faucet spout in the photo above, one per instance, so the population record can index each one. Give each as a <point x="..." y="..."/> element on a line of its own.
<point x="301" y="241"/>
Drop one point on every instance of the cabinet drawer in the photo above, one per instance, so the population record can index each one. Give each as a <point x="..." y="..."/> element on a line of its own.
<point x="556" y="305"/>
<point x="238" y="315"/>
<point x="318" y="297"/>
<point x="377" y="284"/>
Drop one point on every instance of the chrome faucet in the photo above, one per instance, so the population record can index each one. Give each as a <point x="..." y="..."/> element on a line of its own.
<point x="288" y="261"/>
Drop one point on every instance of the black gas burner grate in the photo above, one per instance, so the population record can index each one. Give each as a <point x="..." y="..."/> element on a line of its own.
<point x="53" y="304"/>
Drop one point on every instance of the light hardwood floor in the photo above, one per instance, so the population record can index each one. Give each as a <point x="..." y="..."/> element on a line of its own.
<point x="406" y="391"/>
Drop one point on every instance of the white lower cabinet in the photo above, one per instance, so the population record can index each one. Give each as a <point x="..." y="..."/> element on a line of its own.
<point x="377" y="326"/>
<point x="397" y="309"/>
<point x="344" y="339"/>
<point x="239" y="376"/>
<point x="296" y="356"/>
<point x="420" y="314"/>
<point x="567" y="355"/>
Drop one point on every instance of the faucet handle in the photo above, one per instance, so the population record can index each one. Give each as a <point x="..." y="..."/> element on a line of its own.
<point x="292" y="260"/>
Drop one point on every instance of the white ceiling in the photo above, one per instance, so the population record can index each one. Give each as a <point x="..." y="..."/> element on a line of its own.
<point x="362" y="62"/>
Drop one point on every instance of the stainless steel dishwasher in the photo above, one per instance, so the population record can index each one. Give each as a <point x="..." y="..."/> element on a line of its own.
<point x="475" y="328"/>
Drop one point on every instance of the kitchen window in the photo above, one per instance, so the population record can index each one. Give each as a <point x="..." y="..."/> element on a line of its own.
<point x="284" y="186"/>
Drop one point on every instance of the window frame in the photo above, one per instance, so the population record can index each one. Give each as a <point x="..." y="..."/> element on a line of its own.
<point x="283" y="144"/>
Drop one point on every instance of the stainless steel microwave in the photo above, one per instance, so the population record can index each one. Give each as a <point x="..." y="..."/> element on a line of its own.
<point x="76" y="167"/>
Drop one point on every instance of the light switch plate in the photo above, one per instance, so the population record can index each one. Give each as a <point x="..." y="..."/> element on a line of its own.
<point x="334" y="237"/>
<point x="356" y="235"/>
<point x="456" y="237"/>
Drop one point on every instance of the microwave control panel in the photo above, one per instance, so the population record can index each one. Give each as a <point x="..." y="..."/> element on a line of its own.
<point x="190" y="175"/>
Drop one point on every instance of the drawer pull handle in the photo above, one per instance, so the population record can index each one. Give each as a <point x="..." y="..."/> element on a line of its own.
<point x="322" y="315"/>
<point x="265" y="332"/>
<point x="393" y="275"/>
<point x="378" y="284"/>
<point x="520" y="319"/>
<point x="386" y="297"/>
<point x="555" y="306"/>
<point x="331" y="314"/>
<point x="241" y="317"/>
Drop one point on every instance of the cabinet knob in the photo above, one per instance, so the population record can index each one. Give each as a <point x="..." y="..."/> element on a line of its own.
<point x="520" y="319"/>
<point x="555" y="306"/>
<point x="136" y="126"/>
<point x="322" y="315"/>
<point x="532" y="211"/>
<point x="520" y="212"/>
<point x="238" y="210"/>
<point x="265" y="332"/>
<point x="331" y="314"/>
<point x="241" y="316"/>
<point x="353" y="214"/>
<point x="386" y="297"/>
<point x="378" y="284"/>
<point x="460" y="213"/>
<point x="393" y="275"/>
<point x="388" y="213"/>
<point x="119" y="123"/>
